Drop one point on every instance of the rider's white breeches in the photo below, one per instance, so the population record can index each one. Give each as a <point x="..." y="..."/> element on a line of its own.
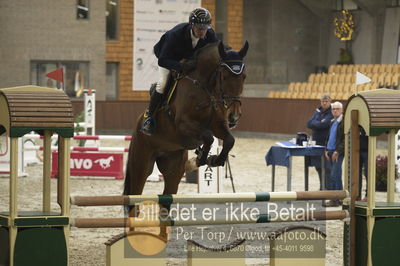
<point x="162" y="79"/>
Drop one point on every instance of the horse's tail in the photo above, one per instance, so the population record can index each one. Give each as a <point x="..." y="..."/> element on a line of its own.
<point x="128" y="179"/>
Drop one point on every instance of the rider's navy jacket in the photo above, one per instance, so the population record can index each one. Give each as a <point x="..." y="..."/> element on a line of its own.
<point x="176" y="44"/>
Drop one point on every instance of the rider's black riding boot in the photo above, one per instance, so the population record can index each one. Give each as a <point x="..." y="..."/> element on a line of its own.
<point x="149" y="123"/>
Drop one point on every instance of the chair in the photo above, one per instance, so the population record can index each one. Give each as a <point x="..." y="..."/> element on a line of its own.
<point x="372" y="86"/>
<point x="362" y="69"/>
<point x="381" y="80"/>
<point x="396" y="68"/>
<point x="339" y="87"/>
<point x="323" y="78"/>
<point x="368" y="69"/>
<point x="375" y="77"/>
<point x="381" y="68"/>
<point x="388" y="80"/>
<point x="272" y="94"/>
<point x="346" y="88"/>
<point x="395" y="80"/>
<point x="286" y="94"/>
<point x="311" y="78"/>
<point x="331" y="69"/>
<point x="316" y="87"/>
<point x="329" y="78"/>
<point x="279" y="94"/>
<point x="375" y="68"/>
<point x="350" y="69"/>
<point x="335" y="78"/>
<point x="343" y="69"/>
<point x="328" y="88"/>
<point x="341" y="78"/>
<point x="317" y="78"/>
<point x="291" y="87"/>
<point x="353" y="78"/>
<point x="390" y="68"/>
<point x="297" y="86"/>
<point x="347" y="78"/>
<point x="363" y="87"/>
<point x="369" y="86"/>
<point x="301" y="89"/>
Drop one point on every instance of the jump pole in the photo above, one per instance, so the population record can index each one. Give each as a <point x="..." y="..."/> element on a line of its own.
<point x="157" y="222"/>
<point x="81" y="137"/>
<point x="94" y="149"/>
<point x="130" y="200"/>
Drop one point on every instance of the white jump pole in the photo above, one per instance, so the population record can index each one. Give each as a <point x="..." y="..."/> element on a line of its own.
<point x="5" y="157"/>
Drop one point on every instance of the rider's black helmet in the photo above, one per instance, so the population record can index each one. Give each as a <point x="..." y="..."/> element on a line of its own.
<point x="201" y="18"/>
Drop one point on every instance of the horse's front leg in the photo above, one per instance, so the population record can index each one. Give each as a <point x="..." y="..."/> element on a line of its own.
<point x="202" y="152"/>
<point x="199" y="133"/>
<point x="219" y="160"/>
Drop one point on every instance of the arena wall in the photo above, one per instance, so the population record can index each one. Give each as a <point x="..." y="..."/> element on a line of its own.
<point x="263" y="115"/>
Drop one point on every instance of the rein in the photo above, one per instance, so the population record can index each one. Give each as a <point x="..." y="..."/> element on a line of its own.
<point x="212" y="99"/>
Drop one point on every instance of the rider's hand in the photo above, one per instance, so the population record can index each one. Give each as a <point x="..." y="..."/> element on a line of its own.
<point x="188" y="67"/>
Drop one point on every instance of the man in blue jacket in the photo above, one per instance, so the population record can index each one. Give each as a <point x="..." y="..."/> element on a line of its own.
<point x="320" y="123"/>
<point x="176" y="44"/>
<point x="334" y="152"/>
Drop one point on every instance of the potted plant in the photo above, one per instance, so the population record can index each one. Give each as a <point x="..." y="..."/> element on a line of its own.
<point x="381" y="173"/>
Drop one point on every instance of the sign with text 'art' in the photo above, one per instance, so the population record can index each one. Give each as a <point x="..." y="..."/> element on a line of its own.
<point x="152" y="18"/>
<point x="92" y="164"/>
<point x="211" y="178"/>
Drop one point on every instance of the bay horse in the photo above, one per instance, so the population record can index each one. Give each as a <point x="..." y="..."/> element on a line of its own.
<point x="205" y="103"/>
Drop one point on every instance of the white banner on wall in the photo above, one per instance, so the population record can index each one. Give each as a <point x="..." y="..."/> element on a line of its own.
<point x="152" y="18"/>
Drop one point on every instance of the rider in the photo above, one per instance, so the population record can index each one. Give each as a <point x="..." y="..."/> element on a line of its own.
<point x="176" y="44"/>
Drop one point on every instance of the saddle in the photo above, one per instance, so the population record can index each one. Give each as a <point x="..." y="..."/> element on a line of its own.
<point x="172" y="82"/>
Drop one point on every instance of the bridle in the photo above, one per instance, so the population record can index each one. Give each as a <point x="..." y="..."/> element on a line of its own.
<point x="219" y="97"/>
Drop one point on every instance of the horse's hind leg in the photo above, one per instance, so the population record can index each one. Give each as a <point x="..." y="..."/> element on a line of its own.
<point x="172" y="166"/>
<point x="139" y="166"/>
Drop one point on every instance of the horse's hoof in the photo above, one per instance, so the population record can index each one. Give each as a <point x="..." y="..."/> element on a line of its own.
<point x="214" y="161"/>
<point x="201" y="162"/>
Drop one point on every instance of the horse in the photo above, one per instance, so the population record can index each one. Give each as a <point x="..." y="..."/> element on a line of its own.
<point x="205" y="103"/>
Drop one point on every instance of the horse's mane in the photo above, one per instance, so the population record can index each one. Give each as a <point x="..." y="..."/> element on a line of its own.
<point x="198" y="53"/>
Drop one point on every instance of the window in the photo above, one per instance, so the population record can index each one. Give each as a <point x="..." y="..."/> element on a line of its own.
<point x="82" y="9"/>
<point x="76" y="76"/>
<point x="112" y="80"/>
<point x="392" y="3"/>
<point x="112" y="19"/>
<point x="345" y="4"/>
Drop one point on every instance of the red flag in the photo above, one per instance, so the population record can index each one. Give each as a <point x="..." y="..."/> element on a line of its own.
<point x="57" y="74"/>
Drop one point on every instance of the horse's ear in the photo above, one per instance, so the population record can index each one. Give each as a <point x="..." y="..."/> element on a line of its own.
<point x="221" y="50"/>
<point x="243" y="51"/>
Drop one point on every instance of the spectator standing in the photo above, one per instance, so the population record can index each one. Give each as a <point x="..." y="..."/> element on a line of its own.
<point x="363" y="162"/>
<point x="319" y="123"/>
<point x="334" y="152"/>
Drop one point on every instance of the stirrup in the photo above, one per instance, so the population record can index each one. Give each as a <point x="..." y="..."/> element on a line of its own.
<point x="148" y="126"/>
<point x="146" y="114"/>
